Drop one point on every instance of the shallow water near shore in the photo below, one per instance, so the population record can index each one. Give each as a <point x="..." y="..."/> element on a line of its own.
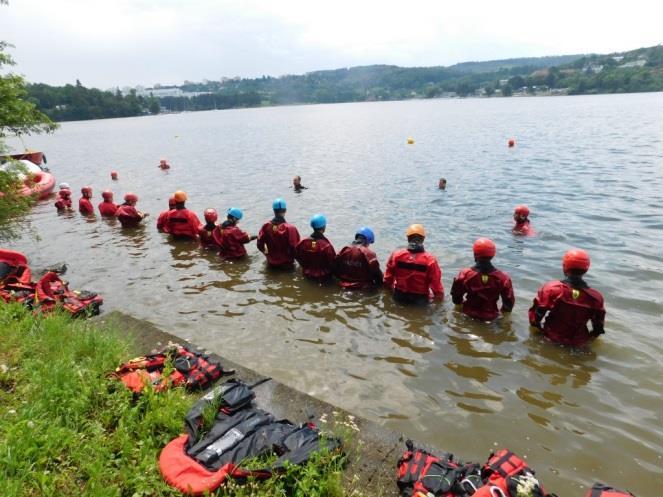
<point x="590" y="168"/>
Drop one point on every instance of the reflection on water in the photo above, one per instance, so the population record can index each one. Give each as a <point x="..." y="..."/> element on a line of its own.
<point x="591" y="170"/>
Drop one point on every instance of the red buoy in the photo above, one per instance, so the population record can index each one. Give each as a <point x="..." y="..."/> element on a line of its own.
<point x="114" y="175"/>
<point x="511" y="142"/>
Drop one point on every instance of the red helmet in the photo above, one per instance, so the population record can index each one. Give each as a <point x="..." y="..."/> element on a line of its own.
<point x="131" y="197"/>
<point x="172" y="203"/>
<point x="521" y="210"/>
<point x="107" y="195"/>
<point x="484" y="247"/>
<point x="576" y="259"/>
<point x="211" y="216"/>
<point x="87" y="190"/>
<point x="65" y="192"/>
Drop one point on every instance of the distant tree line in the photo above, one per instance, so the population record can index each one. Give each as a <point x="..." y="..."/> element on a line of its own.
<point x="635" y="71"/>
<point x="76" y="102"/>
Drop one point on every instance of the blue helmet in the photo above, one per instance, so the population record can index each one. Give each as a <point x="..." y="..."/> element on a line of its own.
<point x="318" y="221"/>
<point x="278" y="204"/>
<point x="367" y="233"/>
<point x="236" y="213"/>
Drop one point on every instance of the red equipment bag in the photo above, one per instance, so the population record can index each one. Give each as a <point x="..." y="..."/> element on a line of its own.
<point x="601" y="490"/>
<point x="422" y="473"/>
<point x="506" y="471"/>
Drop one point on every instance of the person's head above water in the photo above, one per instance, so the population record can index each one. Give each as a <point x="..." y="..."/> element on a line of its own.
<point x="415" y="233"/>
<point x="86" y="191"/>
<point x="297" y="181"/>
<point x="575" y="262"/>
<point x="442" y="184"/>
<point x="107" y="195"/>
<point x="210" y="215"/>
<point x="234" y="214"/>
<point x="521" y="213"/>
<point x="180" y="197"/>
<point x="483" y="249"/>
<point x="319" y="223"/>
<point x="278" y="205"/>
<point x="365" y="235"/>
<point x="131" y="198"/>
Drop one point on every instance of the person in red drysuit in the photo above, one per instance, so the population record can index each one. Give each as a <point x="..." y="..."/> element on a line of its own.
<point x="181" y="222"/>
<point x="163" y="216"/>
<point x="63" y="198"/>
<point x="229" y="238"/>
<point x="84" y="205"/>
<point x="561" y="309"/>
<point x="107" y="207"/>
<point x="277" y="238"/>
<point x="315" y="254"/>
<point x="522" y="225"/>
<point x="356" y="265"/>
<point x="163" y="164"/>
<point x="478" y="288"/>
<point x="127" y="213"/>
<point x="413" y="273"/>
<point x="206" y="234"/>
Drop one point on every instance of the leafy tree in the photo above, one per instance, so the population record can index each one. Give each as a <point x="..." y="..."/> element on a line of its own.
<point x="506" y="89"/>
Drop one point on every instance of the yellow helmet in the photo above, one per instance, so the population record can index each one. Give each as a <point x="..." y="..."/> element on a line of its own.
<point x="180" y="196"/>
<point x="416" y="229"/>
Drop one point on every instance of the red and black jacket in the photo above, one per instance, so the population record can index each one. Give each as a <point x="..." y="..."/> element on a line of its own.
<point x="278" y="239"/>
<point x="107" y="209"/>
<point x="316" y="256"/>
<point x="128" y="215"/>
<point x="567" y="306"/>
<point x="479" y="289"/>
<point x="357" y="267"/>
<point x="183" y="222"/>
<point x="414" y="272"/>
<point x="230" y="240"/>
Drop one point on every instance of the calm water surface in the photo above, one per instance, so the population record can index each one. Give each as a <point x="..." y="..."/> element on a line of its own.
<point x="591" y="170"/>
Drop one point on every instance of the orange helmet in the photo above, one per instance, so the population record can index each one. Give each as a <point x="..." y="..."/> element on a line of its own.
<point x="484" y="247"/>
<point x="210" y="215"/>
<point x="416" y="229"/>
<point x="131" y="197"/>
<point x="576" y="259"/>
<point x="180" y="196"/>
<point x="521" y="210"/>
<point x="107" y="195"/>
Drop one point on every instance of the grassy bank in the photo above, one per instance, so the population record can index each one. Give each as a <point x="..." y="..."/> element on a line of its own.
<point x="67" y="430"/>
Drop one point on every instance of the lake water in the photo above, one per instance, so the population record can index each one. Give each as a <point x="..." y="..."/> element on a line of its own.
<point x="590" y="168"/>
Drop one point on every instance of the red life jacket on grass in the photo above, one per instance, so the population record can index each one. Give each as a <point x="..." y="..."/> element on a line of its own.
<point x="107" y="209"/>
<point x="414" y="272"/>
<point x="15" y="277"/>
<point x="51" y="291"/>
<point x="192" y="370"/>
<point x="601" y="490"/>
<point x="316" y="255"/>
<point x="196" y="463"/>
<point x="85" y="206"/>
<point x="278" y="239"/>
<point x="567" y="309"/>
<point x="357" y="267"/>
<point x="230" y="240"/>
<point x="183" y="222"/>
<point x="479" y="292"/>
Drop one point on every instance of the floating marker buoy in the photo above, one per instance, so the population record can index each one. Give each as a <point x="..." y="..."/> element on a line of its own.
<point x="410" y="141"/>
<point x="511" y="142"/>
<point x="113" y="175"/>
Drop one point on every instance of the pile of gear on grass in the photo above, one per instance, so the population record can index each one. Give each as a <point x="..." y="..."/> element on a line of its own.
<point x="48" y="293"/>
<point x="423" y="474"/>
<point x="206" y="457"/>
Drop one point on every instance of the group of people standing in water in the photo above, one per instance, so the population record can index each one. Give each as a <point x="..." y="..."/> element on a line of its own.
<point x="561" y="309"/>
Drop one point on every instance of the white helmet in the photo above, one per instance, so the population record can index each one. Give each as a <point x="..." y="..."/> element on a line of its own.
<point x="64" y="186"/>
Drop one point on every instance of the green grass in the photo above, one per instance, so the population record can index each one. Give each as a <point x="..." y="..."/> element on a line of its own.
<point x="68" y="430"/>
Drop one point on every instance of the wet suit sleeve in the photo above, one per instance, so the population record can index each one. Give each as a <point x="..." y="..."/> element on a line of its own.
<point x="242" y="236"/>
<point x="540" y="306"/>
<point x="435" y="279"/>
<point x="293" y="238"/>
<point x="195" y="222"/>
<point x="374" y="268"/>
<point x="508" y="297"/>
<point x="598" y="321"/>
<point x="458" y="289"/>
<point x="389" y="272"/>
<point x="260" y="242"/>
<point x="330" y="255"/>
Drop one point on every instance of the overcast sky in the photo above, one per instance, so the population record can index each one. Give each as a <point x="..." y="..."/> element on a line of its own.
<point x="130" y="42"/>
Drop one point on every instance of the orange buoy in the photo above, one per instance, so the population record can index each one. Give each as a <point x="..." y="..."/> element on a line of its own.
<point x="511" y="142"/>
<point x="114" y="175"/>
